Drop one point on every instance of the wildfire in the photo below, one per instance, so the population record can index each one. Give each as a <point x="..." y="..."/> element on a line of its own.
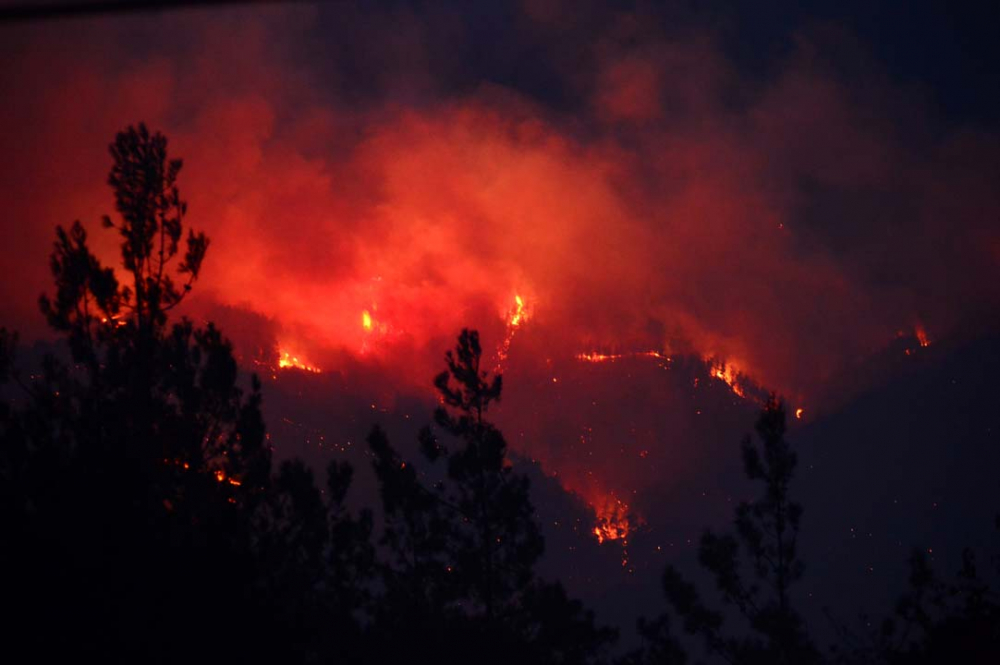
<point x="287" y="360"/>
<point x="374" y="330"/>
<point x="596" y="357"/>
<point x="922" y="337"/>
<point x="729" y="375"/>
<point x="515" y="317"/>
<point x="613" y="521"/>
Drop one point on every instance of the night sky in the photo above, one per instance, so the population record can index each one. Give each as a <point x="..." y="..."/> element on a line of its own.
<point x="654" y="215"/>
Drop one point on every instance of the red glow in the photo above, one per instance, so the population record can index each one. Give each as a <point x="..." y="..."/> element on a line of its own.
<point x="922" y="337"/>
<point x="595" y="357"/>
<point x="613" y="521"/>
<point x="728" y="374"/>
<point x="515" y="316"/>
<point x="518" y="314"/>
<point x="288" y="359"/>
<point x="362" y="242"/>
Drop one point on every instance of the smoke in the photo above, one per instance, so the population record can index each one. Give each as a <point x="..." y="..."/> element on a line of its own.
<point x="629" y="181"/>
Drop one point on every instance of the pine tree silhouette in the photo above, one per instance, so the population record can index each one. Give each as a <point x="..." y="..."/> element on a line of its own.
<point x="141" y="518"/>
<point x="935" y="620"/>
<point x="462" y="549"/>
<point x="764" y="544"/>
<point x="144" y="522"/>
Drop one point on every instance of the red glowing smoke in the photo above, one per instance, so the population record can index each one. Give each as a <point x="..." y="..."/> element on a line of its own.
<point x="787" y="225"/>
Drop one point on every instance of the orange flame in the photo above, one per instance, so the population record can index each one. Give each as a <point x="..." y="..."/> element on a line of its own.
<point x="287" y="360"/>
<point x="518" y="314"/>
<point x="375" y="330"/>
<point x="613" y="522"/>
<point x="117" y="318"/>
<point x="515" y="316"/>
<point x="596" y="357"/>
<point x="220" y="476"/>
<point x="799" y="412"/>
<point x="729" y="375"/>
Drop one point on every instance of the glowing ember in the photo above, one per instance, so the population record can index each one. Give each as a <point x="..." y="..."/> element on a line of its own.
<point x="798" y="413"/>
<point x="598" y="357"/>
<point x="613" y="521"/>
<point x="287" y="361"/>
<point x="220" y="476"/>
<point x="921" y="334"/>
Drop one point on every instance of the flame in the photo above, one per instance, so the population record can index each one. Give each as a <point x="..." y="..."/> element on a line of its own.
<point x="798" y="413"/>
<point x="728" y="374"/>
<point x="725" y="372"/>
<point x="518" y="314"/>
<point x="613" y="522"/>
<point x="376" y="332"/>
<point x="598" y="357"/>
<point x="220" y="476"/>
<point x="117" y="318"/>
<point x="515" y="317"/>
<point x="287" y="360"/>
<point x="595" y="357"/>
<point x="922" y="337"/>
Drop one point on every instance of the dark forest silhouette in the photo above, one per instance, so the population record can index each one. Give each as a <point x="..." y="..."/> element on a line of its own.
<point x="145" y="521"/>
<point x="767" y="529"/>
<point x="754" y="571"/>
<point x="462" y="550"/>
